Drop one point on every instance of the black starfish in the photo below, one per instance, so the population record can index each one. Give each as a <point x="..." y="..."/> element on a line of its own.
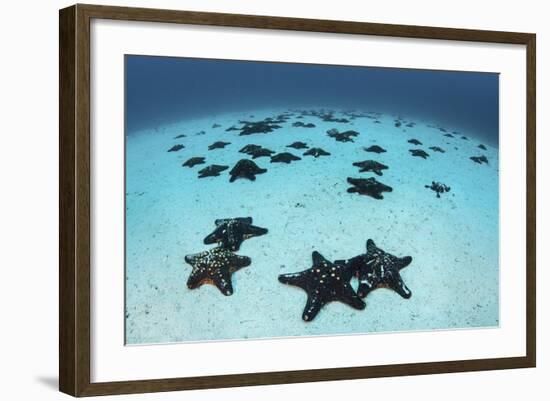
<point x="262" y="152"/>
<point x="464" y="137"/>
<point x="316" y="152"/>
<point x="411" y="125"/>
<point x="213" y="170"/>
<point x="371" y="165"/>
<point x="438" y="188"/>
<point x="481" y="146"/>
<point x="301" y="124"/>
<point x="480" y="159"/>
<point x="298" y="145"/>
<point x="414" y="141"/>
<point x="216" y="125"/>
<point x="324" y="282"/>
<point x="180" y="136"/>
<point x="215" y="266"/>
<point x="175" y="148"/>
<point x="419" y="153"/>
<point x="397" y="124"/>
<point x="218" y="145"/>
<point x="284" y="157"/>
<point x="231" y="233"/>
<point x="378" y="269"/>
<point x="368" y="186"/>
<point x="436" y="149"/>
<point x="449" y="135"/>
<point x="192" y="162"/>
<point x="375" y="149"/>
<point x="258" y="127"/>
<point x="249" y="148"/>
<point x="245" y="169"/>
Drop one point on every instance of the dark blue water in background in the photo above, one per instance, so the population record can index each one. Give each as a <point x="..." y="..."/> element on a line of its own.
<point x="161" y="90"/>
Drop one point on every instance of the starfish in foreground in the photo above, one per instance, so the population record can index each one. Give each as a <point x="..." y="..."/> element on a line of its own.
<point x="231" y="233"/>
<point x="324" y="282"/>
<point x="215" y="266"/>
<point x="377" y="269"/>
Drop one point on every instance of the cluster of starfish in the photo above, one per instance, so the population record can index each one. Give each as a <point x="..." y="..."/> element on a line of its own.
<point x="215" y="266"/>
<point x="329" y="281"/>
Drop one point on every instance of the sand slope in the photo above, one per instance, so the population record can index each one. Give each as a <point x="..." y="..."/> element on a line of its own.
<point x="453" y="240"/>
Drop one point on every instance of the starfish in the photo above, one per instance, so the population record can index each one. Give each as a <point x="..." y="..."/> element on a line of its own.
<point x="371" y="165"/>
<point x="438" y="188"/>
<point x="419" y="153"/>
<point x="192" y="162"/>
<point x="464" y="137"/>
<point x="298" y="145"/>
<point x="284" y="157"/>
<point x="216" y="125"/>
<point x="215" y="266"/>
<point x="180" y="136"/>
<point x="449" y="135"/>
<point x="324" y="282"/>
<point x="218" y="145"/>
<point x="231" y="233"/>
<point x="249" y="148"/>
<point x="480" y="159"/>
<point x="262" y="152"/>
<point x="436" y="149"/>
<point x="378" y="269"/>
<point x="368" y="186"/>
<point x="342" y="136"/>
<point x="245" y="169"/>
<point x="482" y="146"/>
<point x="316" y="152"/>
<point x="213" y="170"/>
<point x="175" y="148"/>
<point x="414" y="141"/>
<point x="375" y="149"/>
<point x="258" y="127"/>
<point x="301" y="124"/>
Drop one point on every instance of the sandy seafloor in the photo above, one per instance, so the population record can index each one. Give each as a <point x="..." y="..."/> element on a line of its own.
<point x="454" y="240"/>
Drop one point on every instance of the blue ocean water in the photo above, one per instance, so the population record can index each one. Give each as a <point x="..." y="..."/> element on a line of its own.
<point x="161" y="89"/>
<point x="428" y="139"/>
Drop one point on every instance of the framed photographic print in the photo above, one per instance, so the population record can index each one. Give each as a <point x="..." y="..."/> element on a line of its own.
<point x="251" y="200"/>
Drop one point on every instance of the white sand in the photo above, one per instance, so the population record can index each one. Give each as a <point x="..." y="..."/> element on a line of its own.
<point x="453" y="240"/>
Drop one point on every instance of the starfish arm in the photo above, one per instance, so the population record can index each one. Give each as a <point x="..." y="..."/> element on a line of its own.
<point x="222" y="280"/>
<point x="254" y="231"/>
<point x="399" y="286"/>
<point x="318" y="258"/>
<point x="232" y="178"/>
<point x="214" y="237"/>
<point x="350" y="298"/>
<point x="238" y="261"/>
<point x="404" y="262"/>
<point x="371" y="246"/>
<point x="195" y="279"/>
<point x="296" y="279"/>
<point x="191" y="258"/>
<point x="312" y="308"/>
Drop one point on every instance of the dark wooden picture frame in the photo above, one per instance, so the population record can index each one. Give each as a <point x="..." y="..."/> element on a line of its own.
<point x="74" y="199"/>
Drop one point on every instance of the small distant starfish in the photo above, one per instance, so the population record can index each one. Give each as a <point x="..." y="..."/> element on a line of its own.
<point x="324" y="282"/>
<point x="231" y="233"/>
<point x="215" y="266"/>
